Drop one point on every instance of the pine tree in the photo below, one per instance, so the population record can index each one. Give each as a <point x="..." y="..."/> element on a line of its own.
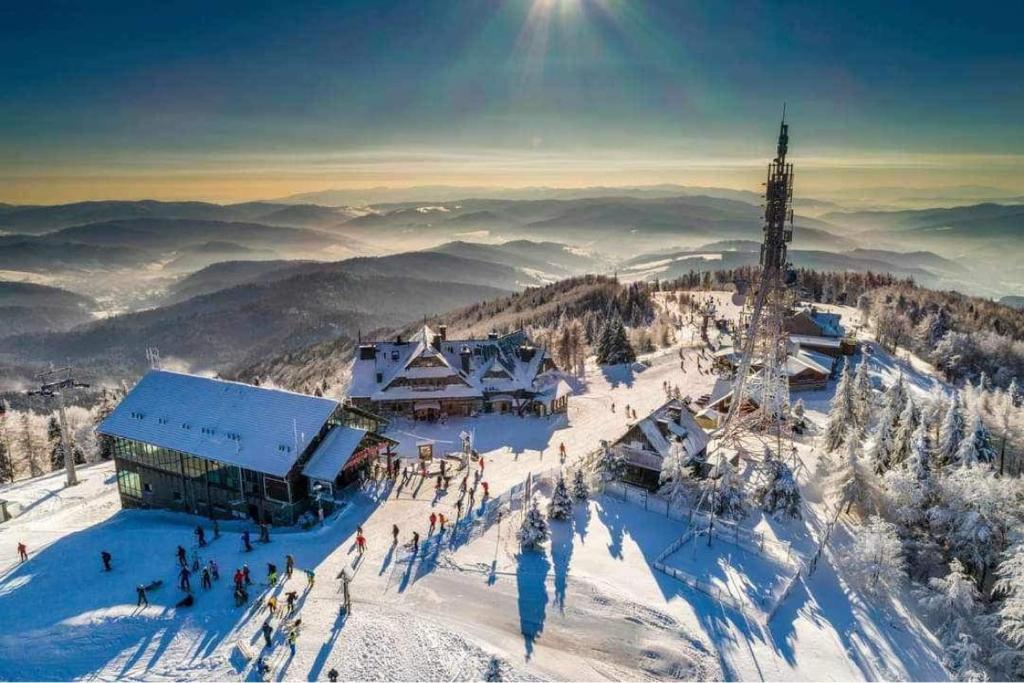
<point x="841" y="417"/>
<point x="724" y="491"/>
<point x="976" y="446"/>
<point x="876" y="556"/>
<point x="881" y="449"/>
<point x="851" y="481"/>
<point x="676" y="476"/>
<point x="951" y="433"/>
<point x="904" y="433"/>
<point x="1010" y="614"/>
<point x="778" y="490"/>
<point x="611" y="464"/>
<point x="6" y="456"/>
<point x="956" y="601"/>
<point x="862" y="395"/>
<point x="534" y="529"/>
<point x="580" y="490"/>
<point x="560" y="505"/>
<point x="919" y="459"/>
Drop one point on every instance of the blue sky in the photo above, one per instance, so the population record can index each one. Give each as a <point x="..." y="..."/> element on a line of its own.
<point x="242" y="100"/>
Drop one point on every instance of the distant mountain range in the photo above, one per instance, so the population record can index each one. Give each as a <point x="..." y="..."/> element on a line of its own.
<point x="27" y="307"/>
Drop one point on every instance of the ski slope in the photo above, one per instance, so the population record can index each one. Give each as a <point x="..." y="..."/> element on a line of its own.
<point x="590" y="606"/>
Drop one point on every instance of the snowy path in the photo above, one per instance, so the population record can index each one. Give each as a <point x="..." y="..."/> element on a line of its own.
<point x="590" y="607"/>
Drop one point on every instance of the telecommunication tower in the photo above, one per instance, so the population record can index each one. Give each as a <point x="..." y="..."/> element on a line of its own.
<point x="760" y="397"/>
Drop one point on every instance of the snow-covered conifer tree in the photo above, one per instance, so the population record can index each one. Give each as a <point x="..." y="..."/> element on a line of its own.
<point x="534" y="529"/>
<point x="560" y="505"/>
<point x="611" y="464"/>
<point x="910" y="418"/>
<point x="841" y="417"/>
<point x="881" y="449"/>
<point x="976" y="446"/>
<point x="1010" y="614"/>
<point x="955" y="600"/>
<point x="862" y="398"/>
<point x="777" y="491"/>
<point x="724" y="491"/>
<point x="951" y="433"/>
<point x="799" y="410"/>
<point x="852" y="482"/>
<point x="580" y="490"/>
<point x="676" y="477"/>
<point x="876" y="557"/>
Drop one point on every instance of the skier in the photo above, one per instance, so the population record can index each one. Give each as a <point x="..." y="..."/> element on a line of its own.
<point x="437" y="485"/>
<point x="310" y="577"/>
<point x="271" y="573"/>
<point x="245" y="541"/>
<point x="415" y="542"/>
<point x="433" y="522"/>
<point x="290" y="598"/>
<point x="267" y="632"/>
<point x="561" y="451"/>
<point x="241" y="597"/>
<point x="487" y="491"/>
<point x="289" y="565"/>
<point x="140" y="590"/>
<point x="182" y="559"/>
<point x="183" y="582"/>
<point x="207" y="583"/>
<point x="239" y="578"/>
<point x="245" y="575"/>
<point x="272" y="605"/>
<point x="458" y="509"/>
<point x="22" y="552"/>
<point x="613" y="406"/>
<point x="332" y="675"/>
<point x="106" y="557"/>
<point x="360" y="542"/>
<point x="394" y="534"/>
<point x="215" y="570"/>
<point x="200" y="536"/>
<point x="292" y="637"/>
<point x="441" y="520"/>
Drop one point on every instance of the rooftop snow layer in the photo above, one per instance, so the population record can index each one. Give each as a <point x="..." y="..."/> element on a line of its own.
<point x="238" y="424"/>
<point x="333" y="452"/>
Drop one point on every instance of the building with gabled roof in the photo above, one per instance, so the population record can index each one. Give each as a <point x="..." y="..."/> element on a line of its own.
<point x="226" y="449"/>
<point x="429" y="376"/>
<point x="647" y="443"/>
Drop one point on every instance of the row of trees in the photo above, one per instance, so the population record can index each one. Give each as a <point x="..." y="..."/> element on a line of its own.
<point x="932" y="476"/>
<point x="30" y="443"/>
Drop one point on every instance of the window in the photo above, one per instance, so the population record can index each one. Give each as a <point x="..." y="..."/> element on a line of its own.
<point x="129" y="484"/>
<point x="275" y="489"/>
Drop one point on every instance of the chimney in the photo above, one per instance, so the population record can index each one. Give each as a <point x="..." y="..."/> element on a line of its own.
<point x="442" y="330"/>
<point x="435" y="341"/>
<point x="398" y="339"/>
<point x="465" y="355"/>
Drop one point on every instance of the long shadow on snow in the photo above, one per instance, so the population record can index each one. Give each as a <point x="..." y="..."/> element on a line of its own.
<point x="325" y="649"/>
<point x="531" y="583"/>
<point x="618" y="374"/>
<point x="67" y="578"/>
<point x="561" y="557"/>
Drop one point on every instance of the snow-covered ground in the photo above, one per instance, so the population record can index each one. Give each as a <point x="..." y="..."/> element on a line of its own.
<point x="589" y="606"/>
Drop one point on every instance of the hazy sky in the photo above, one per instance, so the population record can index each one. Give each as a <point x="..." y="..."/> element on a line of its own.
<point x="223" y="101"/>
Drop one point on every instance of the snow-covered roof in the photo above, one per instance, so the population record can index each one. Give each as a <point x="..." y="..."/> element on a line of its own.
<point x="674" y="418"/>
<point x="808" y="340"/>
<point x="238" y="424"/>
<point x="334" y="452"/>
<point x="492" y="366"/>
<point x="803" y="359"/>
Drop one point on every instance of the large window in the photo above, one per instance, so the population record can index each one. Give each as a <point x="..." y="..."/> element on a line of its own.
<point x="276" y="489"/>
<point x="129" y="484"/>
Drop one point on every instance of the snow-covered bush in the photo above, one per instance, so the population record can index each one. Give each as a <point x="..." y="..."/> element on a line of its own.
<point x="723" y="490"/>
<point x="611" y="464"/>
<point x="560" y="505"/>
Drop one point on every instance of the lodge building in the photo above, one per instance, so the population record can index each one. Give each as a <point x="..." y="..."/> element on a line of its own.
<point x="230" y="450"/>
<point x="430" y="376"/>
<point x="647" y="443"/>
